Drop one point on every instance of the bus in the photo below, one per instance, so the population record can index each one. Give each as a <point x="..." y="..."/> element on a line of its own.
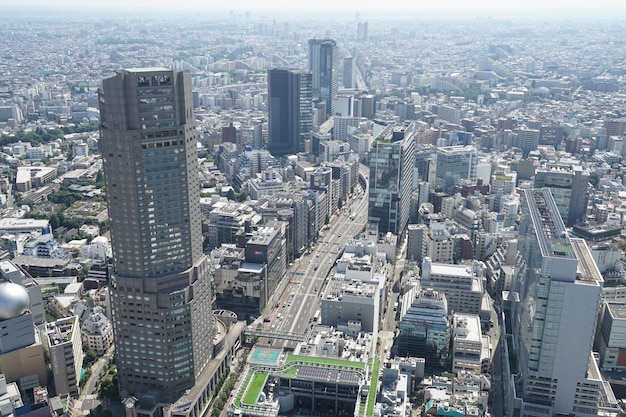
<point x="316" y="317"/>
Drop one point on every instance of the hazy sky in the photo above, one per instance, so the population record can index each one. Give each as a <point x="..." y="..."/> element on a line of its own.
<point x="503" y="8"/>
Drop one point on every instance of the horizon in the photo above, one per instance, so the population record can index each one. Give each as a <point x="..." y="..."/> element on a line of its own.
<point x="327" y="9"/>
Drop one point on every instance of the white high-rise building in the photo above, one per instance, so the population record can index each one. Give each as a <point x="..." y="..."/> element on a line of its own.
<point x="554" y="322"/>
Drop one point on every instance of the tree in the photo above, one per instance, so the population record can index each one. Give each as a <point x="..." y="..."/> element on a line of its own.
<point x="231" y="195"/>
<point x="340" y="204"/>
<point x="54" y="221"/>
<point x="100" y="177"/>
<point x="90" y="358"/>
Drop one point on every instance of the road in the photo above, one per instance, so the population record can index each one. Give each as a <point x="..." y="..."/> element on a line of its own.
<point x="88" y="399"/>
<point x="300" y="298"/>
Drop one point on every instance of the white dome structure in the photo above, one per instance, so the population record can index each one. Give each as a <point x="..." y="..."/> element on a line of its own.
<point x="14" y="300"/>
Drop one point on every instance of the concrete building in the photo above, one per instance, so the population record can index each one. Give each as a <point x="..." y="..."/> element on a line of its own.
<point x="240" y="286"/>
<point x="331" y="149"/>
<point x="417" y="243"/>
<point x="30" y="177"/>
<point x="64" y="345"/>
<point x="610" y="340"/>
<point x="21" y="351"/>
<point x="553" y="325"/>
<point x="466" y="343"/>
<point x="149" y="148"/>
<point x="265" y="184"/>
<point x="349" y="72"/>
<point x="97" y="331"/>
<point x="316" y="384"/>
<point x="462" y="284"/>
<point x="227" y="222"/>
<point x="568" y="185"/>
<point x="267" y="246"/>
<point x="528" y="140"/>
<point x="351" y="300"/>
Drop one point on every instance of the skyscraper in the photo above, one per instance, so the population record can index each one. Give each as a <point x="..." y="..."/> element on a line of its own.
<point x="349" y="72"/>
<point x="290" y="111"/>
<point x="361" y="34"/>
<point x="550" y="331"/>
<point x="455" y="163"/>
<point x="391" y="163"/>
<point x="161" y="298"/>
<point x="323" y="64"/>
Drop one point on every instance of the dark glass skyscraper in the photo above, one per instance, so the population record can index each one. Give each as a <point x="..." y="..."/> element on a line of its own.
<point x="323" y="64"/>
<point x="161" y="298"/>
<point x="290" y="111"/>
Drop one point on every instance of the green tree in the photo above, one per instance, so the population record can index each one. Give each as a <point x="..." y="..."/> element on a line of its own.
<point x="231" y="195"/>
<point x="100" y="177"/>
<point x="340" y="204"/>
<point x="90" y="357"/>
<point x="54" y="221"/>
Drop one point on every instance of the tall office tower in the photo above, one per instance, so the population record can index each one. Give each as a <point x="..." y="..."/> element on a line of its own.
<point x="455" y="163"/>
<point x="290" y="111"/>
<point x="323" y="64"/>
<point x="552" y="326"/>
<point x="349" y="72"/>
<point x="161" y="300"/>
<point x="569" y="189"/>
<point x="361" y="33"/>
<point x="391" y="180"/>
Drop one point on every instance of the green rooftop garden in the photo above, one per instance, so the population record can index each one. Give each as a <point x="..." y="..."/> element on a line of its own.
<point x="371" y="397"/>
<point x="243" y="389"/>
<point x="324" y="361"/>
<point x="254" y="388"/>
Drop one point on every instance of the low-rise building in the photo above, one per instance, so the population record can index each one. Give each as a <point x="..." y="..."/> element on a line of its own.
<point x="466" y="343"/>
<point x="462" y="284"/>
<point x="97" y="331"/>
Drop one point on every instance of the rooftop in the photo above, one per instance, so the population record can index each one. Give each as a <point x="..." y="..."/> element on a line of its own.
<point x="147" y="69"/>
<point x="548" y="223"/>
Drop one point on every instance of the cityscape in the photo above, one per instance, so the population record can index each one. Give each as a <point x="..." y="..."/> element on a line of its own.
<point x="328" y="210"/>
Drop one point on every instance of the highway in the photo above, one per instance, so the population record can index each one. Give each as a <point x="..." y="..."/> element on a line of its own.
<point x="295" y="305"/>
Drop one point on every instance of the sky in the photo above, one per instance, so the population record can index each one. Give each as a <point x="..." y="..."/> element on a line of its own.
<point x="469" y="8"/>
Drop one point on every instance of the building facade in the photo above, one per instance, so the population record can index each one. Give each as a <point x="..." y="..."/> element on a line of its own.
<point x="65" y="348"/>
<point x="568" y="185"/>
<point x="554" y="322"/>
<point x="290" y="111"/>
<point x="391" y="162"/>
<point x="455" y="163"/>
<point x="323" y="64"/>
<point x="161" y="300"/>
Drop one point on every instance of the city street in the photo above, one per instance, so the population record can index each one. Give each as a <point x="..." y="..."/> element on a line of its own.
<point x="88" y="399"/>
<point x="299" y="297"/>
